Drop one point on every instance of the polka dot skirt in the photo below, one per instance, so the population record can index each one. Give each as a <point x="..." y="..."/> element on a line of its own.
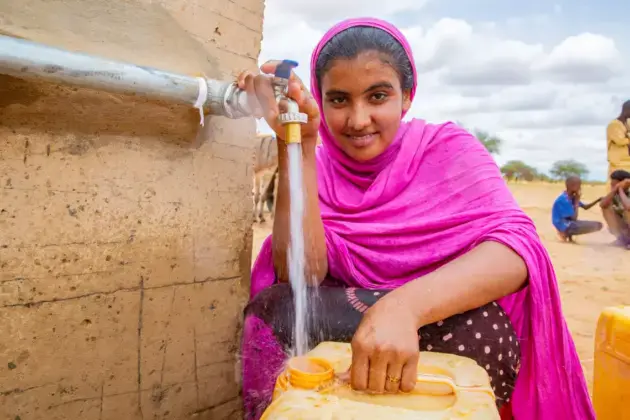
<point x="484" y="335"/>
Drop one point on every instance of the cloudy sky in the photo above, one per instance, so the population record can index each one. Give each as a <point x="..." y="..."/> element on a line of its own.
<point x="545" y="76"/>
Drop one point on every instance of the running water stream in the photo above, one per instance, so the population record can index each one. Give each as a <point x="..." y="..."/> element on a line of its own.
<point x="296" y="252"/>
<point x="291" y="119"/>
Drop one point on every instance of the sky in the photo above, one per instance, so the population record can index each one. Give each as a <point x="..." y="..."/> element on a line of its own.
<point x="544" y="76"/>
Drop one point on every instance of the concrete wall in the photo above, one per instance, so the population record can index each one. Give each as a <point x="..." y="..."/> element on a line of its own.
<point x="125" y="238"/>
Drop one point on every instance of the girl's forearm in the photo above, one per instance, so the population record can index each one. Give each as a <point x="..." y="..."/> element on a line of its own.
<point x="316" y="260"/>
<point x="488" y="272"/>
<point x="314" y="236"/>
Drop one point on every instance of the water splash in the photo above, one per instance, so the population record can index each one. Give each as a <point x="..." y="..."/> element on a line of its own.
<point x="296" y="254"/>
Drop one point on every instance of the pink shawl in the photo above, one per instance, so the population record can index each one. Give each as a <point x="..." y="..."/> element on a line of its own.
<point x="434" y="194"/>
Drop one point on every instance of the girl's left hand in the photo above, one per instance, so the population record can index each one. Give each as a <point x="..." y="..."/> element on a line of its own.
<point x="385" y="348"/>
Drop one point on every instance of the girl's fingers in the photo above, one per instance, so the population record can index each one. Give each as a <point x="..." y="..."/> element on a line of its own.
<point x="309" y="106"/>
<point x="359" y="370"/>
<point x="378" y="372"/>
<point x="344" y="376"/>
<point x="245" y="81"/>
<point x="266" y="98"/>
<point x="394" y="377"/>
<point x="305" y="100"/>
<point x="270" y="67"/>
<point x="295" y="91"/>
<point x="409" y="375"/>
<point x="244" y="78"/>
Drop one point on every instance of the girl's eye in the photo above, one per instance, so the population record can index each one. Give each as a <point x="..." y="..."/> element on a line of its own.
<point x="380" y="96"/>
<point x="337" y="101"/>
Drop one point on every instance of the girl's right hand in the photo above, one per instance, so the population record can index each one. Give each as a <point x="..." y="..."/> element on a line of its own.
<point x="263" y="102"/>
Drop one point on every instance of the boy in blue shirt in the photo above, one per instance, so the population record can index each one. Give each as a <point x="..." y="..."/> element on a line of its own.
<point x="564" y="213"/>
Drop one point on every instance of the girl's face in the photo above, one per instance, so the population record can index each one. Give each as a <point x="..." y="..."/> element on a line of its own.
<point x="363" y="103"/>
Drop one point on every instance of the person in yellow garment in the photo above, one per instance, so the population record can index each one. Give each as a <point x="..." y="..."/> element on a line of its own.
<point x="618" y="139"/>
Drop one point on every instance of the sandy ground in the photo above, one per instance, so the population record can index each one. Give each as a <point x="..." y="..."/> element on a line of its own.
<point x="591" y="273"/>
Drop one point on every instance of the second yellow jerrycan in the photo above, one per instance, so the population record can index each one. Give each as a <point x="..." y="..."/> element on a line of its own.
<point x="611" y="377"/>
<point x="448" y="387"/>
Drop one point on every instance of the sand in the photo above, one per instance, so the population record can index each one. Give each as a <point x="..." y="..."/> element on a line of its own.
<point x="591" y="273"/>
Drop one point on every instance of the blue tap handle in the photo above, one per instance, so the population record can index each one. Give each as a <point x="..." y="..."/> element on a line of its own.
<point x="284" y="69"/>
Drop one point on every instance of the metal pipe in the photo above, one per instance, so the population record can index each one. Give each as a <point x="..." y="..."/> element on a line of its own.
<point x="30" y="60"/>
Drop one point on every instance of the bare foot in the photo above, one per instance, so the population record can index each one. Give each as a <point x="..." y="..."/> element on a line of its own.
<point x="561" y="236"/>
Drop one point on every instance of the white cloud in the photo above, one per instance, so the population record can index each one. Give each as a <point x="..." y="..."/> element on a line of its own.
<point x="510" y="99"/>
<point x="584" y="58"/>
<point x="547" y="101"/>
<point x="497" y="72"/>
<point x="296" y="40"/>
<point x="441" y="45"/>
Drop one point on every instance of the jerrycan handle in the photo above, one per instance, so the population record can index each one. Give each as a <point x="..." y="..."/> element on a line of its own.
<point x="430" y="384"/>
<point x="441" y="385"/>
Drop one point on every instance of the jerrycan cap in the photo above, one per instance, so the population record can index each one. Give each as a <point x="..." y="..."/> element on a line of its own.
<point x="309" y="372"/>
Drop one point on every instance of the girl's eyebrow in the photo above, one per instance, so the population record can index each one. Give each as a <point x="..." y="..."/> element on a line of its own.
<point x="379" y="85"/>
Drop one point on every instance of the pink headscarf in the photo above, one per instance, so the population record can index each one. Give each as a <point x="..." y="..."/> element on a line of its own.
<point x="433" y="195"/>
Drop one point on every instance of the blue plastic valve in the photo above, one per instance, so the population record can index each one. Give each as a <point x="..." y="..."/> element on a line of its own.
<point x="284" y="69"/>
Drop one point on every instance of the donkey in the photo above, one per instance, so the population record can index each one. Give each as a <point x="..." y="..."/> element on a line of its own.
<point x="265" y="160"/>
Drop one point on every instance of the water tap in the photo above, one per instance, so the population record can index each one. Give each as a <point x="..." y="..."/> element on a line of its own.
<point x="293" y="117"/>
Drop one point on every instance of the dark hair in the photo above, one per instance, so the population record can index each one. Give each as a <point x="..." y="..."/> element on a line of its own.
<point x="619" y="175"/>
<point x="570" y="179"/>
<point x="353" y="41"/>
<point x="625" y="112"/>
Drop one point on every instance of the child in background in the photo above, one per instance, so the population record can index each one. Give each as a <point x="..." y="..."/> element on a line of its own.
<point x="616" y="205"/>
<point x="564" y="213"/>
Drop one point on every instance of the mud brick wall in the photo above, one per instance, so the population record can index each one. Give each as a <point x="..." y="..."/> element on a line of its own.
<point x="125" y="235"/>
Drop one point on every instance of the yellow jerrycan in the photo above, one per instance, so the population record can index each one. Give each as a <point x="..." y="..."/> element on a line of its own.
<point x="448" y="387"/>
<point x="611" y="378"/>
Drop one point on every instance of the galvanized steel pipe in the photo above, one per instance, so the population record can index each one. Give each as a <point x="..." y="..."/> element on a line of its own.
<point x="30" y="60"/>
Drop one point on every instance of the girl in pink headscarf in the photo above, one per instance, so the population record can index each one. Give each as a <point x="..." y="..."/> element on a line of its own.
<point x="413" y="237"/>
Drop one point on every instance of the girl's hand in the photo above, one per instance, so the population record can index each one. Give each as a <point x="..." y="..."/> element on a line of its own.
<point x="385" y="348"/>
<point x="263" y="102"/>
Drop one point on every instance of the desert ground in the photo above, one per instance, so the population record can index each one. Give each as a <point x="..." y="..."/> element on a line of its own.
<point x="591" y="273"/>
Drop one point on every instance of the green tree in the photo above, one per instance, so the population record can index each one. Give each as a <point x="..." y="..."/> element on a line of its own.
<point x="564" y="168"/>
<point x="491" y="143"/>
<point x="517" y="170"/>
